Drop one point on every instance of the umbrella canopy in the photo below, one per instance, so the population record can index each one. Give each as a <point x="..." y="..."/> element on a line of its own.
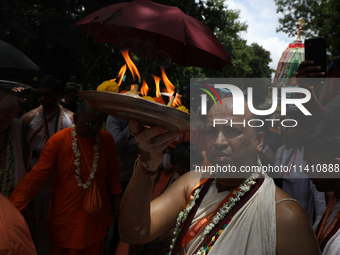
<point x="288" y="64"/>
<point x="157" y="30"/>
<point x="11" y="57"/>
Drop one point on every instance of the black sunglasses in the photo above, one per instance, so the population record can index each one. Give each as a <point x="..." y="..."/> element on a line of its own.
<point x="90" y="124"/>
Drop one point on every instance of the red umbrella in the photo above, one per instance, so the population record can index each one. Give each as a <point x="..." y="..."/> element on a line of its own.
<point x="157" y="30"/>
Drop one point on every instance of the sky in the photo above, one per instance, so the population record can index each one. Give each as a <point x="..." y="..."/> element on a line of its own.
<point x="262" y="21"/>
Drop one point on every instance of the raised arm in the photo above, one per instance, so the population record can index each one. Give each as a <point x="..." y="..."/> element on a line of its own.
<point x="140" y="220"/>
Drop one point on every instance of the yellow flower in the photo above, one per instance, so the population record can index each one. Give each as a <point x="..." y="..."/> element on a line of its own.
<point x="182" y="108"/>
<point x="149" y="98"/>
<point x="109" y="86"/>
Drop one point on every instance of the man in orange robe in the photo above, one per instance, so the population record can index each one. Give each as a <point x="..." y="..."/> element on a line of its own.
<point x="71" y="229"/>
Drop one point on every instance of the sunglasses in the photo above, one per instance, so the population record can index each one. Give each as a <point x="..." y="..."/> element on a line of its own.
<point x="90" y="124"/>
<point x="45" y="94"/>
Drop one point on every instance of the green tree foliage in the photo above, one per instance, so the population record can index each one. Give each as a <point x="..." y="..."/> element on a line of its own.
<point x="259" y="62"/>
<point x="42" y="29"/>
<point x="321" y="16"/>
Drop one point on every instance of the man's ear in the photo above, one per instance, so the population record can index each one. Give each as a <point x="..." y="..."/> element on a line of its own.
<point x="260" y="141"/>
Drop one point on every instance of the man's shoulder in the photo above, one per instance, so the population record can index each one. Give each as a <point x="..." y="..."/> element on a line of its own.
<point x="69" y="114"/>
<point x="189" y="181"/>
<point x="62" y="134"/>
<point x="15" y="237"/>
<point x="105" y="135"/>
<point x="294" y="230"/>
<point x="288" y="210"/>
<point x="29" y="116"/>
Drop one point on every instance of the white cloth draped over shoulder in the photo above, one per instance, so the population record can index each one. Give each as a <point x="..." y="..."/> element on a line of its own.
<point x="252" y="230"/>
<point x="36" y="137"/>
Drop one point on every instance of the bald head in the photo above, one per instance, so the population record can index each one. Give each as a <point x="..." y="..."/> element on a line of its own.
<point x="88" y="120"/>
<point x="85" y="108"/>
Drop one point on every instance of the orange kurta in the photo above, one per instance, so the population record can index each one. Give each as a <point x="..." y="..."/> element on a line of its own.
<point x="69" y="226"/>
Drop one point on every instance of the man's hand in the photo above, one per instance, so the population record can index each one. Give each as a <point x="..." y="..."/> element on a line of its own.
<point x="307" y="69"/>
<point x="151" y="142"/>
<point x="18" y="89"/>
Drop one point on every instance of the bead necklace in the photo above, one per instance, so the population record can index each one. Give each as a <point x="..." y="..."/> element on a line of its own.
<point x="45" y="121"/>
<point x="8" y="171"/>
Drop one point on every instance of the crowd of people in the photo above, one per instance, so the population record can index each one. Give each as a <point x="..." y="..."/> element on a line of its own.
<point x="76" y="181"/>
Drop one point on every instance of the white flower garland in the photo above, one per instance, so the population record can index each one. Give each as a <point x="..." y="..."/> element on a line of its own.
<point x="77" y="160"/>
<point x="222" y="212"/>
<point x="183" y="215"/>
<point x="7" y="180"/>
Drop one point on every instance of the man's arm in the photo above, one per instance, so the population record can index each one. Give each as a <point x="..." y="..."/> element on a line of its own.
<point x="294" y="232"/>
<point x="35" y="179"/>
<point x="141" y="220"/>
<point x="29" y="116"/>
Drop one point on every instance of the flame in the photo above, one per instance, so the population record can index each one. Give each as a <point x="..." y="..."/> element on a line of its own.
<point x="169" y="86"/>
<point x="157" y="80"/>
<point x="177" y="101"/>
<point x="132" y="67"/>
<point x="132" y="87"/>
<point x="144" y="89"/>
<point x="121" y="74"/>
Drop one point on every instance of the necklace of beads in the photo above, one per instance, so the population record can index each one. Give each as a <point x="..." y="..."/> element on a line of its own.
<point x="77" y="160"/>
<point x="7" y="173"/>
<point x="45" y="122"/>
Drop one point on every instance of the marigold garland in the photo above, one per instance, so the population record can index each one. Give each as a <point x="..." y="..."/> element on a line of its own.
<point x="43" y="122"/>
<point x="183" y="109"/>
<point x="109" y="86"/>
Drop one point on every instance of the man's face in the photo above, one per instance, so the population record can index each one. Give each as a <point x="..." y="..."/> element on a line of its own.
<point x="312" y="157"/>
<point x="48" y="97"/>
<point x="89" y="124"/>
<point x="236" y="145"/>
